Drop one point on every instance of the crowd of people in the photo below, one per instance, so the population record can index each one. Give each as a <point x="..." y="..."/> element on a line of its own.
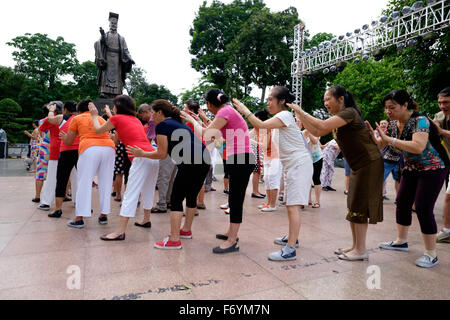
<point x="162" y="148"/>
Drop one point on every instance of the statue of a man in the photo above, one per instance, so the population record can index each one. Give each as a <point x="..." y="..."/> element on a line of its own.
<point x="112" y="59"/>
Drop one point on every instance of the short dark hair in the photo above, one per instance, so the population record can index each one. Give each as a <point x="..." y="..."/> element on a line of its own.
<point x="36" y="123"/>
<point x="216" y="97"/>
<point x="70" y="106"/>
<point x="401" y="97"/>
<point x="283" y="93"/>
<point x="83" y="105"/>
<point x="45" y="110"/>
<point x="167" y="109"/>
<point x="262" y="115"/>
<point x="444" y="92"/>
<point x="193" y="105"/>
<point x="125" y="105"/>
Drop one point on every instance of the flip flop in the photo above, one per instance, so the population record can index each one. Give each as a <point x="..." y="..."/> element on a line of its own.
<point x="316" y="205"/>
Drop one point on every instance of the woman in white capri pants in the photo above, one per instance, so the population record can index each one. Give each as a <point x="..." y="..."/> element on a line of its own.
<point x="296" y="160"/>
<point x="95" y="157"/>
<point x="143" y="171"/>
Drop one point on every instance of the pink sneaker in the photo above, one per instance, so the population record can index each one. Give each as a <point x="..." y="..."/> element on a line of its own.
<point x="168" y="244"/>
<point x="185" y="234"/>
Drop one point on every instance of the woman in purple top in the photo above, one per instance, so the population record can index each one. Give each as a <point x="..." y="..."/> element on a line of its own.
<point x="230" y="125"/>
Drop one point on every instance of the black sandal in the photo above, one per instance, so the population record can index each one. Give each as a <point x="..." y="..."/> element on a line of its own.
<point x="145" y="225"/>
<point x="223" y="237"/>
<point x="233" y="248"/>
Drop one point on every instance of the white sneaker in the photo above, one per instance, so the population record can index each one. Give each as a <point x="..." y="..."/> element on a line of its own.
<point x="261" y="206"/>
<point x="227" y="211"/>
<point x="224" y="206"/>
<point x="269" y="209"/>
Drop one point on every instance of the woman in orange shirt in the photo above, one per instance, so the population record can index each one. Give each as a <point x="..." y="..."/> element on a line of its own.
<point x="96" y="157"/>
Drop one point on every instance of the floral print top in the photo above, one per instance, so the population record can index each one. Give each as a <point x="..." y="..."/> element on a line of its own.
<point x="429" y="159"/>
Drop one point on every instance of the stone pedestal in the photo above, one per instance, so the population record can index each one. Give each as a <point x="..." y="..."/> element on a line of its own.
<point x="101" y="102"/>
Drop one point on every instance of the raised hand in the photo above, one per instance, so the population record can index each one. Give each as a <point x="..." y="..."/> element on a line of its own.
<point x="51" y="107"/>
<point x="381" y="133"/>
<point x="186" y="116"/>
<point x="93" y="109"/>
<point x="240" y="107"/>
<point x="294" y="107"/>
<point x="107" y="111"/>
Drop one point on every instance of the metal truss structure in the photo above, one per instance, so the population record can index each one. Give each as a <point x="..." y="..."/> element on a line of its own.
<point x="400" y="29"/>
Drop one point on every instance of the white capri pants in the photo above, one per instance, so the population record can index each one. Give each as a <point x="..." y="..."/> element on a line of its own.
<point x="141" y="180"/>
<point x="73" y="184"/>
<point x="272" y="173"/>
<point x="95" y="160"/>
<point x="298" y="182"/>
<point x="48" y="192"/>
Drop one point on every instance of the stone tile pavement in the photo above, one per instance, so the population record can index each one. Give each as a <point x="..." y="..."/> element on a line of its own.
<point x="40" y="258"/>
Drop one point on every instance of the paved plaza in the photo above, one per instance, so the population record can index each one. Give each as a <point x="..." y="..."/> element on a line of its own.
<point x="39" y="256"/>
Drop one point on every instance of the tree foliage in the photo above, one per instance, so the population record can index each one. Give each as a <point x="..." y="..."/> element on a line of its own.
<point x="370" y="82"/>
<point x="214" y="28"/>
<point x="43" y="59"/>
<point x="9" y="120"/>
<point x="85" y="77"/>
<point x="426" y="65"/>
<point x="142" y="92"/>
<point x="261" y="51"/>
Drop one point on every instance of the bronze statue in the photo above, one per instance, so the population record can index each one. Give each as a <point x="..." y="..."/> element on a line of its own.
<point x="112" y="59"/>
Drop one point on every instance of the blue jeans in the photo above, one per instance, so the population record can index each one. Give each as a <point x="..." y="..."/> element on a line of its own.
<point x="393" y="167"/>
<point x="347" y="168"/>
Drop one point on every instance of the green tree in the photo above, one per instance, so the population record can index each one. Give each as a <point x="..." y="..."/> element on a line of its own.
<point x="85" y="76"/>
<point x="197" y="93"/>
<point x="43" y="59"/>
<point x="426" y="65"/>
<point x="262" y="49"/>
<point x="9" y="121"/>
<point x="370" y="82"/>
<point x="150" y="92"/>
<point x="10" y="83"/>
<point x="143" y="92"/>
<point x="214" y="28"/>
<point x="136" y="80"/>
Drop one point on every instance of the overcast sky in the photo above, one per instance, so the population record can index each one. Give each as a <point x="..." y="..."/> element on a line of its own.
<point x="157" y="32"/>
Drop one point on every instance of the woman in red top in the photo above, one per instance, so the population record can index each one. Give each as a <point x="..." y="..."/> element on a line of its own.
<point x="48" y="196"/>
<point x="143" y="171"/>
<point x="68" y="156"/>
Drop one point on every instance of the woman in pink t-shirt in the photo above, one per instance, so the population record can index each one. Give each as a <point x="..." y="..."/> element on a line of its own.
<point x="143" y="172"/>
<point x="229" y="124"/>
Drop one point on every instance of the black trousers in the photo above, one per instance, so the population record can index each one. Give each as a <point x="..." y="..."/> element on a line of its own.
<point x="317" y="171"/>
<point x="240" y="167"/>
<point x="421" y="188"/>
<point x="187" y="184"/>
<point x="67" y="160"/>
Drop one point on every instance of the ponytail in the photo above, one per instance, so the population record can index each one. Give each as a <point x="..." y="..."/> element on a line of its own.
<point x="349" y="101"/>
<point x="216" y="97"/>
